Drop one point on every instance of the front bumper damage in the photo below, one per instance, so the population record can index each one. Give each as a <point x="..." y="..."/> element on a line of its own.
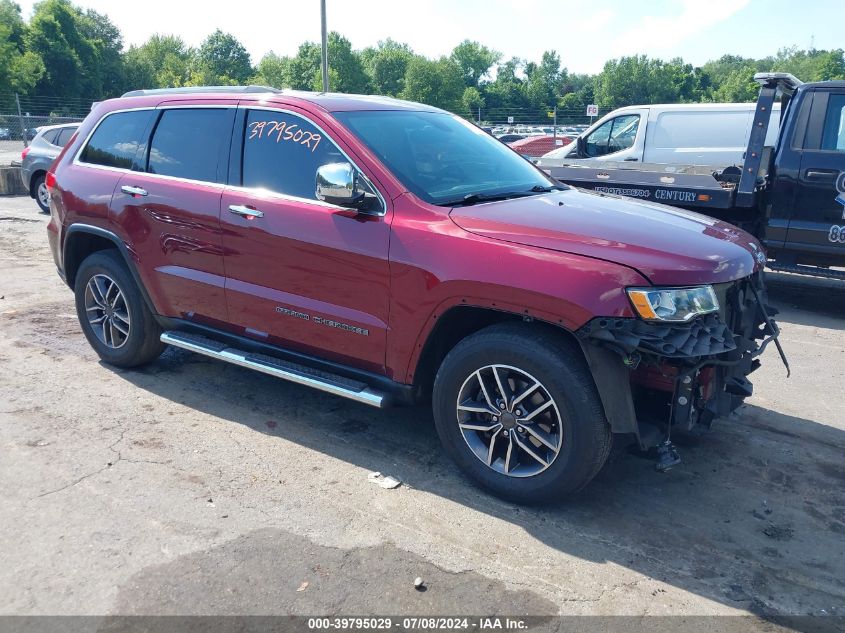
<point x="656" y="378"/>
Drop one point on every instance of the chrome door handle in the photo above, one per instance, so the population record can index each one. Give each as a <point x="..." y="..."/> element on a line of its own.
<point x="247" y="212"/>
<point x="133" y="191"/>
<point x="821" y="174"/>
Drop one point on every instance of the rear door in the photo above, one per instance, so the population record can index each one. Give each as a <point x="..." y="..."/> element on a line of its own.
<point x="817" y="224"/>
<point x="169" y="210"/>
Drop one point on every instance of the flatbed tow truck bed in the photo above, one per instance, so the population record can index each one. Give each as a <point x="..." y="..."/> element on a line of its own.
<point x="692" y="186"/>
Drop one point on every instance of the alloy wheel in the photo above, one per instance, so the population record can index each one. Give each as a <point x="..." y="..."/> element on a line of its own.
<point x="108" y="314"/>
<point x="509" y="420"/>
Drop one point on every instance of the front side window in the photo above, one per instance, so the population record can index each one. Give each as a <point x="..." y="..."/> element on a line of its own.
<point x="613" y="136"/>
<point x="189" y="143"/>
<point x="116" y="140"/>
<point x="441" y="158"/>
<point x="282" y="152"/>
<point x="833" y="136"/>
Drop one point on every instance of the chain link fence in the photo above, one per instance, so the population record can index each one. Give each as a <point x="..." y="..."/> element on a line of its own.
<point x="532" y="117"/>
<point x="21" y="117"/>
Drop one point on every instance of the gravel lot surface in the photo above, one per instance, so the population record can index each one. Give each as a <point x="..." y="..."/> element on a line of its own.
<point x="192" y="486"/>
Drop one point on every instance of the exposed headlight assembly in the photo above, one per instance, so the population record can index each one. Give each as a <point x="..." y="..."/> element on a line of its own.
<point x="673" y="304"/>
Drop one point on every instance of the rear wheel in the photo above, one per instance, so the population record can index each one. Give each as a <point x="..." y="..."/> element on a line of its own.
<point x="42" y="195"/>
<point x="517" y="410"/>
<point x="113" y="315"/>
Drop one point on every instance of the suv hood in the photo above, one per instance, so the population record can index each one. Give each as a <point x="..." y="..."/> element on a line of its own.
<point x="670" y="246"/>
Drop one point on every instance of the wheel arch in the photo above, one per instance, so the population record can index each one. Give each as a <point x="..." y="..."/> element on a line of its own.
<point x="33" y="178"/>
<point x="83" y="240"/>
<point x="606" y="369"/>
<point x="460" y="321"/>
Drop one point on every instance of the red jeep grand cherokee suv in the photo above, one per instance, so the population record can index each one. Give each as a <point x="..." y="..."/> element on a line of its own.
<point x="389" y="252"/>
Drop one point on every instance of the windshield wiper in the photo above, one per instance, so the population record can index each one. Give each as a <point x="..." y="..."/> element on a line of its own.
<point x="473" y="198"/>
<point x="548" y="188"/>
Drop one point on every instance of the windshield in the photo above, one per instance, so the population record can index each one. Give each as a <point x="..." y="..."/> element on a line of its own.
<point x="441" y="158"/>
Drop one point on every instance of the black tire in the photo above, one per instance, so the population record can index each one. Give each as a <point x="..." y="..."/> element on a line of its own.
<point x="142" y="343"/>
<point x="560" y="367"/>
<point x="37" y="183"/>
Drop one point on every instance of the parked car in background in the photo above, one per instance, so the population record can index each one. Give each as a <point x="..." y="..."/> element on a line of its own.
<point x="677" y="134"/>
<point x="5" y="134"/>
<point x="535" y="146"/>
<point x="37" y="158"/>
<point x="510" y="138"/>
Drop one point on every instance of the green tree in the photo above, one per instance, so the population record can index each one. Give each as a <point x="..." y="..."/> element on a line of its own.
<point x="350" y="75"/>
<point x="543" y="84"/>
<point x="303" y="65"/>
<point x="56" y="35"/>
<point x="107" y="44"/>
<point x="163" y="61"/>
<point x="472" y="100"/>
<point x="505" y="96"/>
<point x="738" y="86"/>
<point x="20" y="70"/>
<point x="10" y="16"/>
<point x="221" y="59"/>
<point x="474" y="61"/>
<point x="635" y="80"/>
<point x="810" y="65"/>
<point x="273" y="70"/>
<point x="438" y="83"/>
<point x="386" y="66"/>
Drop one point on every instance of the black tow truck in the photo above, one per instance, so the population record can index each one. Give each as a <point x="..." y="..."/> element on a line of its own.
<point x="791" y="196"/>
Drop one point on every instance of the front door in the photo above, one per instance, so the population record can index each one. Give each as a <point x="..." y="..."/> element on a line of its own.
<point x="817" y="224"/>
<point x="301" y="273"/>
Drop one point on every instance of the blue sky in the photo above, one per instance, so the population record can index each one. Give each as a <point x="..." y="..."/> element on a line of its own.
<point x="585" y="33"/>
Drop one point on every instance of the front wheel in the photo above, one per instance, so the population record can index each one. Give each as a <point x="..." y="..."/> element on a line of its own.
<point x="517" y="410"/>
<point x="113" y="315"/>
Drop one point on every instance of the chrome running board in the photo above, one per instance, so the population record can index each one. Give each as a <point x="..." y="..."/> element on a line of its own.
<point x="286" y="370"/>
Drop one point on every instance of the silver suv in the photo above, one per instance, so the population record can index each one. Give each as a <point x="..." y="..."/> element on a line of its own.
<point x="37" y="158"/>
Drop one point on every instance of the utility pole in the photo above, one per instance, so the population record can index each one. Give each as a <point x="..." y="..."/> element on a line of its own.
<point x="554" y="131"/>
<point x="20" y="118"/>
<point x="479" y="115"/>
<point x="325" y="46"/>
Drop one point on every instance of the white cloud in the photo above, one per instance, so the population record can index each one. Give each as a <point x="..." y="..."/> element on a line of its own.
<point x="666" y="32"/>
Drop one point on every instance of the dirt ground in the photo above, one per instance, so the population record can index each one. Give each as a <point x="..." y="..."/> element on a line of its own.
<point x="192" y="486"/>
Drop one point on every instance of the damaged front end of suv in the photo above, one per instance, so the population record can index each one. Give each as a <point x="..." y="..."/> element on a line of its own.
<point x="684" y="362"/>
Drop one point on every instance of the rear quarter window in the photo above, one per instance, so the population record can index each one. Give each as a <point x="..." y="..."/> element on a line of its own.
<point x="50" y="136"/>
<point x="116" y="139"/>
<point x="64" y="136"/>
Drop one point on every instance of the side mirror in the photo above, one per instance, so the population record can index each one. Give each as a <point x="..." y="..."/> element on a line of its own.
<point x="581" y="147"/>
<point x="337" y="183"/>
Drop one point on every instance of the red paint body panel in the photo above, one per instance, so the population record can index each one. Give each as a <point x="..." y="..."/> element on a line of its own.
<point x="670" y="246"/>
<point x="392" y="276"/>
<point x="175" y="231"/>
<point x="539" y="145"/>
<point x="312" y="260"/>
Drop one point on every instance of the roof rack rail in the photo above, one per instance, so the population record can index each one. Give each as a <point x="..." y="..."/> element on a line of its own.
<point x="204" y="89"/>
